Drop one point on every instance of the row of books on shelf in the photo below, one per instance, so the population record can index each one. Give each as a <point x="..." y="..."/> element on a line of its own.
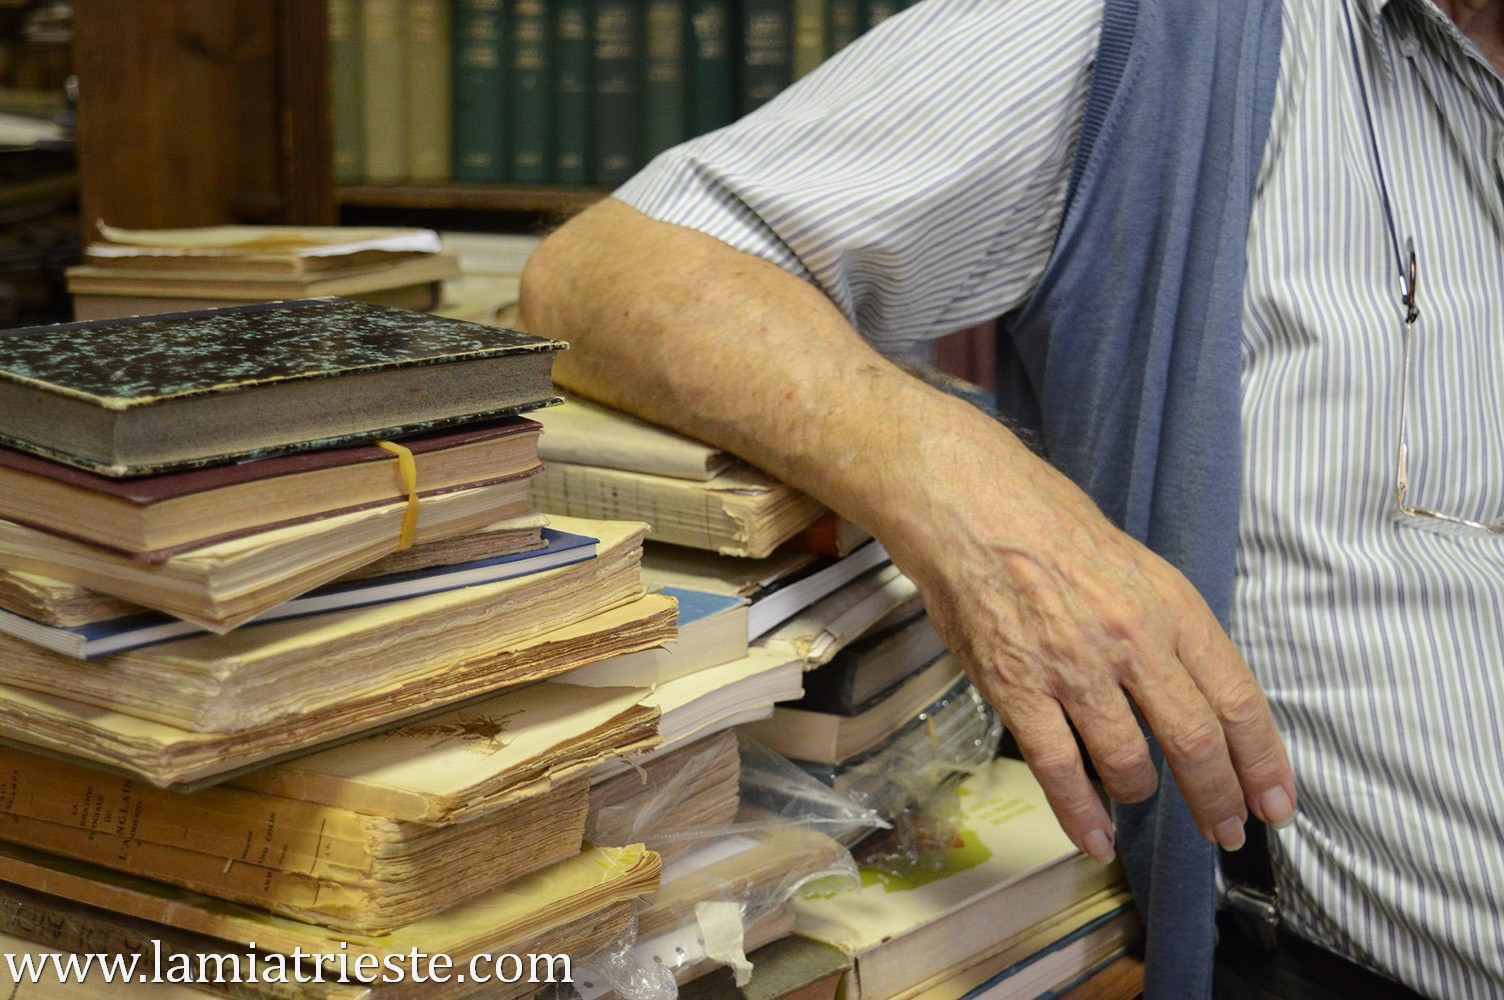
<point x="569" y="92"/>
<point x="359" y="682"/>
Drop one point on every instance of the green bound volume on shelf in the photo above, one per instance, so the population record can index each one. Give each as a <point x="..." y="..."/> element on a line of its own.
<point x="571" y="52"/>
<point x="430" y="108"/>
<point x="845" y="23"/>
<point x="532" y="98"/>
<point x="712" y="71"/>
<point x="479" y="92"/>
<point x="345" y="71"/>
<point x="665" y="95"/>
<point x="875" y="12"/>
<point x="617" y="65"/>
<point x="767" y="51"/>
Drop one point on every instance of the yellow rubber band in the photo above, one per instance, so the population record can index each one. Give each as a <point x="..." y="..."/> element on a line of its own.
<point x="407" y="468"/>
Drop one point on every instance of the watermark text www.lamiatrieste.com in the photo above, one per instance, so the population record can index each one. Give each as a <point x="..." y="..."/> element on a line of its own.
<point x="297" y="967"/>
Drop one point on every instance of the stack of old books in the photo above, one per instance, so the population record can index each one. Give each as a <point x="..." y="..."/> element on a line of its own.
<point x="129" y="272"/>
<point x="208" y="572"/>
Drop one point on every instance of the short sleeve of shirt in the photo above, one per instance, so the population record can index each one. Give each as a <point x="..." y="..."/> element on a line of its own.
<point x="917" y="177"/>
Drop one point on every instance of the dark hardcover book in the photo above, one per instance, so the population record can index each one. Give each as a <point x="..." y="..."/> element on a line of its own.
<point x="571" y="52"/>
<point x="665" y="92"/>
<point x="532" y="92"/>
<point x="712" y="65"/>
<point x="875" y="12"/>
<point x="871" y="667"/>
<point x="345" y="73"/>
<point x="480" y="155"/>
<point x="616" y="64"/>
<point x="845" y="23"/>
<point x="151" y="393"/>
<point x="767" y="51"/>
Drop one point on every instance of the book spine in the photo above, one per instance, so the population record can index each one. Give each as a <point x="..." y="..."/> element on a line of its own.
<point x="291" y="893"/>
<point x="479" y="91"/>
<point x="345" y="75"/>
<point x="767" y="51"/>
<point x="384" y="90"/>
<point x="244" y="826"/>
<point x="532" y="112"/>
<point x="430" y="107"/>
<point x="811" y="39"/>
<point x="616" y="61"/>
<point x="665" y="94"/>
<point x="845" y="23"/>
<point x="875" y="12"/>
<point x="571" y="51"/>
<point x="712" y="70"/>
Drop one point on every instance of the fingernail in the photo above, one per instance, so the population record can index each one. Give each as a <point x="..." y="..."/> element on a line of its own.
<point x="1229" y="833"/>
<point x="1275" y="804"/>
<point x="1098" y="844"/>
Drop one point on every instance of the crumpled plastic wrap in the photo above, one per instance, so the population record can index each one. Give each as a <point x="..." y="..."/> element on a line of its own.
<point x="911" y="782"/>
<point x="730" y="888"/>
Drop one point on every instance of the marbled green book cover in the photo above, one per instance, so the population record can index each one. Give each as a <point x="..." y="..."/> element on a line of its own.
<point x="122" y="363"/>
<point x="147" y="393"/>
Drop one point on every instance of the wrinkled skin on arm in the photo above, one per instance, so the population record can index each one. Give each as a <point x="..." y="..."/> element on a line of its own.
<point x="1060" y="618"/>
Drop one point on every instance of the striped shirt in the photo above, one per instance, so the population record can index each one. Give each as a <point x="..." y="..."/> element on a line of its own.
<point x="919" y="180"/>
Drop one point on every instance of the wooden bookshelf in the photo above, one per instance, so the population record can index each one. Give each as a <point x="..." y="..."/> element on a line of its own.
<point x="470" y="197"/>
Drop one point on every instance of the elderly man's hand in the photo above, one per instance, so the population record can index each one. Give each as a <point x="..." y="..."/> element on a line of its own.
<point x="1060" y="616"/>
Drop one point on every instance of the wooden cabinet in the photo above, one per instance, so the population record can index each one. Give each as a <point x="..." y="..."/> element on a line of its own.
<point x="193" y="113"/>
<point x="197" y="113"/>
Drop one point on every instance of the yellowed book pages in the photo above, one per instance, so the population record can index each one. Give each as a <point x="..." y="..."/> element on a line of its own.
<point x="473" y="760"/>
<point x="501" y="921"/>
<point x="740" y="512"/>
<point x="55" y="602"/>
<point x="55" y="977"/>
<point x="586" y="433"/>
<point x="832" y="623"/>
<point x="1125" y="931"/>
<point x="694" y="569"/>
<point x="692" y="789"/>
<point x="309" y="242"/>
<point x="717" y="698"/>
<point x="170" y="756"/>
<point x="224" y="585"/>
<point x="233" y="282"/>
<point x="410" y="871"/>
<point x="1013" y="868"/>
<point x="34" y="918"/>
<point x="253" y="677"/>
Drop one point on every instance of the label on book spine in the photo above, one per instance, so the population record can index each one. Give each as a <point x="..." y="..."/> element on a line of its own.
<point x="345" y="73"/>
<point x="712" y="74"/>
<point x="617" y="62"/>
<point x="531" y="93"/>
<point x="665" y="96"/>
<point x="479" y="92"/>
<point x="430" y="108"/>
<point x="845" y="23"/>
<point x="384" y="90"/>
<point x="811" y="45"/>
<point x="767" y="51"/>
<point x="571" y="51"/>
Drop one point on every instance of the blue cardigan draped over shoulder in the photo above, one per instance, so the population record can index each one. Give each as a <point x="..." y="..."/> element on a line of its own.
<point x="1126" y="358"/>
